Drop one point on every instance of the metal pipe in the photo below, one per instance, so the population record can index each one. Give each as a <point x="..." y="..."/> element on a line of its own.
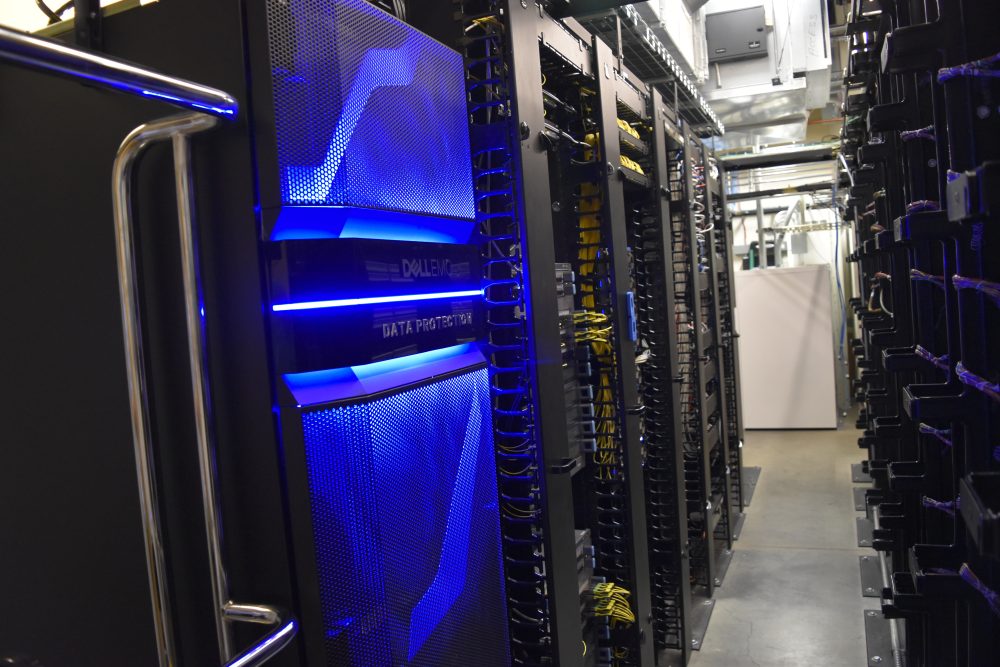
<point x="761" y="248"/>
<point x="777" y="158"/>
<point x="55" y="57"/>
<point x="753" y="213"/>
<point x="199" y="377"/>
<point x="808" y="187"/>
<point x="269" y="645"/>
<point x="226" y="610"/>
<point x="253" y="613"/>
<point x="774" y="209"/>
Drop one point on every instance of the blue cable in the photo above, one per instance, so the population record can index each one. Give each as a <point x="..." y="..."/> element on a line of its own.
<point x="836" y="272"/>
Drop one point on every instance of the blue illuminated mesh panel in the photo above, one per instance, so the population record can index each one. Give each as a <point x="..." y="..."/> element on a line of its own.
<point x="406" y="526"/>
<point x="368" y="111"/>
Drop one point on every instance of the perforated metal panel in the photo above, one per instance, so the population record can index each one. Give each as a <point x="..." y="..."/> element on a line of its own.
<point x="406" y="527"/>
<point x="368" y="111"/>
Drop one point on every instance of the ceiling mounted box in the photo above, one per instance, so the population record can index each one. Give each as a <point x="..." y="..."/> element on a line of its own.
<point x="736" y="35"/>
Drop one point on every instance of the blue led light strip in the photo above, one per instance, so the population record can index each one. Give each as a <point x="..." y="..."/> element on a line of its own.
<point x="372" y="300"/>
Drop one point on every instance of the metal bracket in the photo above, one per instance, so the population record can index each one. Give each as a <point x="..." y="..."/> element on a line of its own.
<point x="878" y="640"/>
<point x="88" y="24"/>
<point x="584" y="7"/>
<point x="859" y="475"/>
<point x="871" y="576"/>
<point x="701" y="613"/>
<point x="865" y="529"/>
<point x="860" y="501"/>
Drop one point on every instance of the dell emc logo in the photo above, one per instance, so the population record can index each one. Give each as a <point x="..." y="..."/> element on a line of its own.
<point x="427" y="268"/>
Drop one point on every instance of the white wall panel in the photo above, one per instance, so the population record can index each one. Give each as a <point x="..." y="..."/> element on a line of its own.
<point x="785" y="323"/>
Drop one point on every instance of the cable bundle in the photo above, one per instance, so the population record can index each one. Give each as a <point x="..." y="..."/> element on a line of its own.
<point x="942" y="434"/>
<point x="991" y="389"/>
<point x="983" y="68"/>
<point x="595" y="325"/>
<point x="612" y="601"/>
<point x="990" y="289"/>
<point x="948" y="507"/>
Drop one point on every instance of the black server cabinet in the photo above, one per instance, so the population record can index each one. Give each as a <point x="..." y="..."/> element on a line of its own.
<point x="926" y="380"/>
<point x="69" y="482"/>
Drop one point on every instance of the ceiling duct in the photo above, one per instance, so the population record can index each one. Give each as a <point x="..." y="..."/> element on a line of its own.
<point x="768" y="99"/>
<point x="695" y="5"/>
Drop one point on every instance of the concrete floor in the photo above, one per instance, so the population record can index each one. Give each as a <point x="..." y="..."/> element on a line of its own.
<point x="792" y="596"/>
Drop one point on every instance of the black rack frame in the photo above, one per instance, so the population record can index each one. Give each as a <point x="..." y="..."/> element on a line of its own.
<point x="632" y="40"/>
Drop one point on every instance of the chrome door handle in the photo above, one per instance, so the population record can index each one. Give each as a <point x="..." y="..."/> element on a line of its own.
<point x="204" y="105"/>
<point x="178" y="129"/>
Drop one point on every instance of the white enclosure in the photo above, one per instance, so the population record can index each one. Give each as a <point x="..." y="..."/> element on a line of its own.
<point x="785" y="322"/>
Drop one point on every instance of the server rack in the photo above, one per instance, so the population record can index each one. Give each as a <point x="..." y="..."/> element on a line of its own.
<point x="264" y="433"/>
<point x="921" y="226"/>
<point x="670" y="572"/>
<point x="595" y="200"/>
<point x="589" y="234"/>
<point x="726" y="334"/>
<point x="702" y="390"/>
<point x="615" y="94"/>
<point x="719" y="316"/>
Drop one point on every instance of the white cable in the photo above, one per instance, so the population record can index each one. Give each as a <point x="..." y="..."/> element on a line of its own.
<point x="881" y="302"/>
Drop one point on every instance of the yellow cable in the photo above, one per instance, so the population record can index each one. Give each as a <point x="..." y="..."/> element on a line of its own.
<point x="628" y="129"/>
<point x="629" y="163"/>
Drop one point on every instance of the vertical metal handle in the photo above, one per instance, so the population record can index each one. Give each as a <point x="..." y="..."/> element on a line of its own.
<point x="128" y="290"/>
<point x="199" y="381"/>
<point x="178" y="130"/>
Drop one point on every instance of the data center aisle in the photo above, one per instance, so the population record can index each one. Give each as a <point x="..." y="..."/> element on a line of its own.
<point x="792" y="595"/>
